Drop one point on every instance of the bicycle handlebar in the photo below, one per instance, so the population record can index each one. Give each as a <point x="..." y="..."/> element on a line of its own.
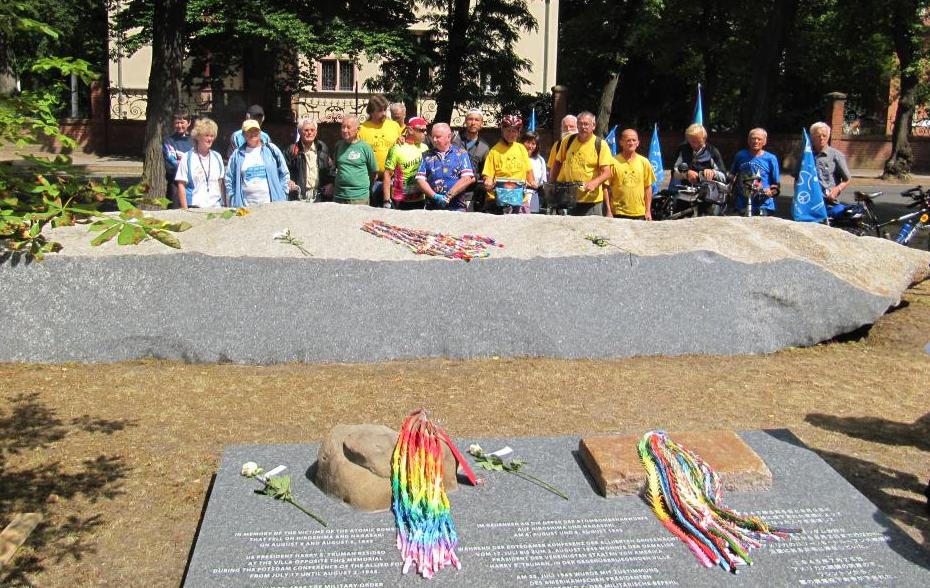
<point x="915" y="193"/>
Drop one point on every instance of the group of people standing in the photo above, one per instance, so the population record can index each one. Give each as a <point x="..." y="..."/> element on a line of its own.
<point x="387" y="161"/>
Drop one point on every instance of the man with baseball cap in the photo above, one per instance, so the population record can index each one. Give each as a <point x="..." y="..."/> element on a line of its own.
<point x="237" y="139"/>
<point x="400" y="188"/>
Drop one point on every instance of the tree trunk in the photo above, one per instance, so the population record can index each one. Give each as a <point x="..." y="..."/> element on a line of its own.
<point x="607" y="104"/>
<point x="454" y="59"/>
<point x="906" y="49"/>
<point x="7" y="66"/>
<point x="770" y="46"/>
<point x="164" y="91"/>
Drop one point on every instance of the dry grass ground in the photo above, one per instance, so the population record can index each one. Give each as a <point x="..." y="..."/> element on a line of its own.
<point x="119" y="457"/>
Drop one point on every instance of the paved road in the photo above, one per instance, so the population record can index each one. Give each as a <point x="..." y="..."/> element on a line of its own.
<point x="888" y="206"/>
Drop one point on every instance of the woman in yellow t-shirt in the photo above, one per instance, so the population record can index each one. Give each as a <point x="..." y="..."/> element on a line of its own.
<point x="508" y="159"/>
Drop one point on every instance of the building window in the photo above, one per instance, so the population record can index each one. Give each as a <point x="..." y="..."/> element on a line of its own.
<point x="337" y="74"/>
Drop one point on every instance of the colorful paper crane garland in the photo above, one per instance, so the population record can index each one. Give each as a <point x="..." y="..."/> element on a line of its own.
<point x="426" y="535"/>
<point x="466" y="247"/>
<point x="684" y="492"/>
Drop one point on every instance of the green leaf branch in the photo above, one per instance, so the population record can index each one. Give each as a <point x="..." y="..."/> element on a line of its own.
<point x="515" y="466"/>
<point x="286" y="236"/>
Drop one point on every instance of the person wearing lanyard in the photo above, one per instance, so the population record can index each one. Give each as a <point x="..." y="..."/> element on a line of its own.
<point x="200" y="170"/>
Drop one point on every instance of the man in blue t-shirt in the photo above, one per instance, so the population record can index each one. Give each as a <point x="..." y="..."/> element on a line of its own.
<point x="445" y="173"/>
<point x="756" y="161"/>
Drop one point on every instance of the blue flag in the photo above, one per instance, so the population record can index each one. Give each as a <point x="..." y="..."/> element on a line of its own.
<point x="531" y="126"/>
<point x="611" y="139"/>
<point x="808" y="206"/>
<point x="655" y="158"/>
<point x="698" y="109"/>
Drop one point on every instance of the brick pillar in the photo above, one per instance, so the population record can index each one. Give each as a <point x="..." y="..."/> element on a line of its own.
<point x="99" y="101"/>
<point x="559" y="107"/>
<point x="99" y="123"/>
<point x="835" y="109"/>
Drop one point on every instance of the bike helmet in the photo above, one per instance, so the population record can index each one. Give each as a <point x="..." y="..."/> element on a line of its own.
<point x="511" y="120"/>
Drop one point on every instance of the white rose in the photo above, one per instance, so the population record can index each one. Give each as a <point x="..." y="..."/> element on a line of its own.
<point x="475" y="449"/>
<point x="250" y="469"/>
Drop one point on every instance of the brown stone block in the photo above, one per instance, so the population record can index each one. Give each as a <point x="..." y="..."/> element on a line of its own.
<point x="613" y="461"/>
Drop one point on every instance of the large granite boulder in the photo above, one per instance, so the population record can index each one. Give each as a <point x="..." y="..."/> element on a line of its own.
<point x="354" y="465"/>
<point x="727" y="285"/>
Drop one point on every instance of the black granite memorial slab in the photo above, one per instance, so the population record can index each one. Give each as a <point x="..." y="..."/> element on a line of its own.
<point x="513" y="533"/>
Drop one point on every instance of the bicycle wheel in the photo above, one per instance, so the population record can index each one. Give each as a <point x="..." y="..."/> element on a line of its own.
<point x="870" y="223"/>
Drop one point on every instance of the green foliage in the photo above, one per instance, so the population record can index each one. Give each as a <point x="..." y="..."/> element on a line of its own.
<point x="664" y="48"/>
<point x="44" y="30"/>
<point x="492" y="72"/>
<point x="266" y="37"/>
<point x="49" y="191"/>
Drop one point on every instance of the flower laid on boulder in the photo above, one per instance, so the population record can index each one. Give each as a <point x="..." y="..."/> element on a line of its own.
<point x="277" y="487"/>
<point x="494" y="462"/>
<point x="286" y="236"/>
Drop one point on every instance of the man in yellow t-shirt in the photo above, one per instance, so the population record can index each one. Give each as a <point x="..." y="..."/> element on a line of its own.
<point x="585" y="159"/>
<point x="381" y="133"/>
<point x="507" y="159"/>
<point x="630" y="188"/>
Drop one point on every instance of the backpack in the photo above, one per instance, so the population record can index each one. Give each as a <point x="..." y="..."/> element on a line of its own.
<point x="597" y="143"/>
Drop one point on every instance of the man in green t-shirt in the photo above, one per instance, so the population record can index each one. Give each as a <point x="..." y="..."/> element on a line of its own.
<point x="400" y="168"/>
<point x="355" y="165"/>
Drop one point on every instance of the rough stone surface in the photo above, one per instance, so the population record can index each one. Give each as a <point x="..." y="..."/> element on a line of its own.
<point x="708" y="285"/>
<point x="514" y="533"/>
<point x="613" y="461"/>
<point x="354" y="465"/>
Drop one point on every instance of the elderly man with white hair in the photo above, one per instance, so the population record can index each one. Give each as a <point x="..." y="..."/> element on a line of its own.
<point x="310" y="165"/>
<point x="832" y="170"/>
<point x="398" y="112"/>
<point x="356" y="165"/>
<point x="755" y="161"/>
<point x="477" y="148"/>
<point x="445" y="172"/>
<point x="569" y="127"/>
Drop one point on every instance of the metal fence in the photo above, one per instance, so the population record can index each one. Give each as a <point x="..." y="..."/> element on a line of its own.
<point x="131" y="104"/>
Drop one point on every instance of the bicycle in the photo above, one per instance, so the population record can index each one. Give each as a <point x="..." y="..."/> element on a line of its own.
<point x="861" y="218"/>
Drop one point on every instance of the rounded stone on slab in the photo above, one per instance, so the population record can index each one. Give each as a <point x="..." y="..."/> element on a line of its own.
<point x="354" y="465"/>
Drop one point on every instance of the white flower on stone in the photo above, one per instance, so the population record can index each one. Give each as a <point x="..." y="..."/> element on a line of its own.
<point x="284" y="234"/>
<point x="475" y="449"/>
<point x="250" y="469"/>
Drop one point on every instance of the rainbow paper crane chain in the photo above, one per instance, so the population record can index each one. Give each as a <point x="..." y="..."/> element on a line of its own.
<point x="684" y="492"/>
<point x="466" y="247"/>
<point x="426" y="534"/>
